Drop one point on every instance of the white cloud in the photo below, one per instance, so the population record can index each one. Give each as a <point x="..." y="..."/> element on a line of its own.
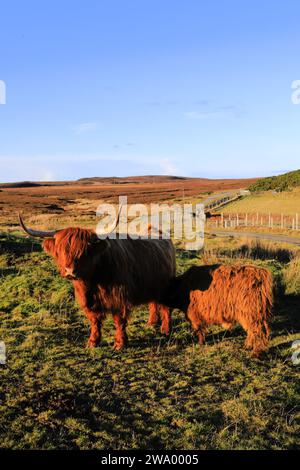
<point x="45" y="167"/>
<point x="85" y="127"/>
<point x="218" y="113"/>
<point x="168" y="167"/>
<point x="46" y="175"/>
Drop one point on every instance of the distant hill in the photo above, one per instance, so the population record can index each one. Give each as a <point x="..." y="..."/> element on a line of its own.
<point x="20" y="184"/>
<point x="277" y="183"/>
<point x="130" y="179"/>
<point x="213" y="184"/>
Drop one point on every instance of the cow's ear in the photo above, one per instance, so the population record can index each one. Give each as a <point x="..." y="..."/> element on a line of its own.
<point x="102" y="244"/>
<point x="49" y="246"/>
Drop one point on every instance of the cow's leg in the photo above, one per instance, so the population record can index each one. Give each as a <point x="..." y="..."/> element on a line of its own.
<point x="86" y="299"/>
<point x="153" y="314"/>
<point x="165" y="319"/>
<point x="120" y="322"/>
<point x="96" y="324"/>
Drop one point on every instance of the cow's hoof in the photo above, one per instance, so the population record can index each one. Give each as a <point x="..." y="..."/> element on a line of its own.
<point x="118" y="346"/>
<point x="165" y="330"/>
<point x="91" y="344"/>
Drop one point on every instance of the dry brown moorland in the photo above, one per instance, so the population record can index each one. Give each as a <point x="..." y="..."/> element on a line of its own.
<point x="79" y="199"/>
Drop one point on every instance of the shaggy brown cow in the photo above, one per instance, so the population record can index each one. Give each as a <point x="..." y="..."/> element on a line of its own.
<point x="112" y="275"/>
<point x="225" y="295"/>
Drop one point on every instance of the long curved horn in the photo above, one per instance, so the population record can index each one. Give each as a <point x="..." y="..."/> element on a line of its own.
<point x="36" y="233"/>
<point x="113" y="226"/>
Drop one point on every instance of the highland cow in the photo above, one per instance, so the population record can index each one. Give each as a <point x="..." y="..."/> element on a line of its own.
<point x="112" y="275"/>
<point x="225" y="295"/>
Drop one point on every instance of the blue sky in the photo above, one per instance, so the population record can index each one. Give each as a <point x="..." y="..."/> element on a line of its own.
<point x="127" y="87"/>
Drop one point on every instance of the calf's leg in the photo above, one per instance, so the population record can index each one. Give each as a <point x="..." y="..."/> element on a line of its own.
<point x="257" y="337"/>
<point x="226" y="325"/>
<point x="198" y="324"/>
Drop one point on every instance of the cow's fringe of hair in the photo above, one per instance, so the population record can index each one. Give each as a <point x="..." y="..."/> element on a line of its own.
<point x="242" y="294"/>
<point x="74" y="242"/>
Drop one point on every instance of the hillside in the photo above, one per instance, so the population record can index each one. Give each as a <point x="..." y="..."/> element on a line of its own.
<point x="205" y="183"/>
<point x="277" y="183"/>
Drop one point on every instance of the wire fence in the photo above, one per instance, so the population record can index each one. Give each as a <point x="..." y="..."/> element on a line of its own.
<point x="281" y="221"/>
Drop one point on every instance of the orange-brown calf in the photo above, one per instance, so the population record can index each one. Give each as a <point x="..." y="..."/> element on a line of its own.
<point x="226" y="295"/>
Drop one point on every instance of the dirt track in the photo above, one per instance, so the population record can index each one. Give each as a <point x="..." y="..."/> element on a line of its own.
<point x="260" y="236"/>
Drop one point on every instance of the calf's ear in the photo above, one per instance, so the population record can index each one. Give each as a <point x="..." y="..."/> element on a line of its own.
<point x="49" y="246"/>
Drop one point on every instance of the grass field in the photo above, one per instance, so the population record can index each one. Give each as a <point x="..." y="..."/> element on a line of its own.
<point x="265" y="202"/>
<point x="160" y="393"/>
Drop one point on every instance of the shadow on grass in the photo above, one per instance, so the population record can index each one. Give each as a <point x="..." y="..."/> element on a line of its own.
<point x="253" y="251"/>
<point x="287" y="314"/>
<point x="188" y="254"/>
<point x="8" y="271"/>
<point x="17" y="246"/>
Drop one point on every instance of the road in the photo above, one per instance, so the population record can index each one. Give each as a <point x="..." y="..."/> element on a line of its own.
<point x="216" y="197"/>
<point x="217" y="200"/>
<point x="260" y="236"/>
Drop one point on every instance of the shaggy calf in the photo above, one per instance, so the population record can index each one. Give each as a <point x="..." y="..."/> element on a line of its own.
<point x="225" y="295"/>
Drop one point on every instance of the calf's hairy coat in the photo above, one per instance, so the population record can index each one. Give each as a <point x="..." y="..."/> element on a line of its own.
<point x="226" y="295"/>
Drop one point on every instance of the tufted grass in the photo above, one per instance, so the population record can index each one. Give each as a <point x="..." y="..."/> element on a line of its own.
<point x="160" y="393"/>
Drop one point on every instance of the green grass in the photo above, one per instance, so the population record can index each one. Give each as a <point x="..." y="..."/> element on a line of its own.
<point x="160" y="393"/>
<point x="287" y="203"/>
<point x="278" y="183"/>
